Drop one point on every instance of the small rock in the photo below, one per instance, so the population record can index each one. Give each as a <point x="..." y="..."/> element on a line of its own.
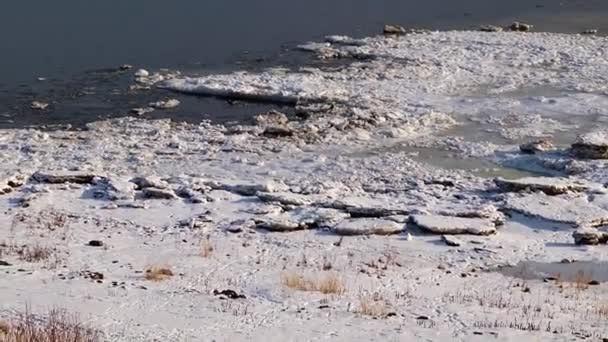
<point x="594" y="283"/>
<point x="593" y="145"/>
<point x="451" y="240"/>
<point x="155" y="193"/>
<point x="142" y="73"/>
<point x="37" y="105"/>
<point x="589" y="236"/>
<point x="4" y="263"/>
<point x="149" y="182"/>
<point x="537" y="146"/>
<point x="95" y="243"/>
<point x="521" y="27"/>
<point x="229" y="294"/>
<point x="240" y="225"/>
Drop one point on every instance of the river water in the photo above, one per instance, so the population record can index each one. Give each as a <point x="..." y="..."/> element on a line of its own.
<point x="70" y="43"/>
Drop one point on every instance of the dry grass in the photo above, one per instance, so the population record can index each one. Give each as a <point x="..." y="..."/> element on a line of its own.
<point x="207" y="247"/>
<point x="35" y="253"/>
<point x="374" y="307"/>
<point x="158" y="273"/>
<point x="602" y="310"/>
<point x="31" y="253"/>
<point x="328" y="283"/>
<point x="582" y="280"/>
<point x="56" y="326"/>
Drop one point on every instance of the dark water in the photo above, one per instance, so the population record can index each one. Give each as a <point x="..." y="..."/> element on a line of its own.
<point x="63" y="40"/>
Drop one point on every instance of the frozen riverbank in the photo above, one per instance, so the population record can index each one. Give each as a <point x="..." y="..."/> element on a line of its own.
<point x="332" y="223"/>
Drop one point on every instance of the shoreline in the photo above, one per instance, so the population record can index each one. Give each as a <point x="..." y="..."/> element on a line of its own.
<point x="328" y="224"/>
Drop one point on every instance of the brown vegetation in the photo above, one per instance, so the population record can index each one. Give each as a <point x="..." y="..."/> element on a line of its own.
<point x="328" y="283"/>
<point x="158" y="273"/>
<point x="206" y="247"/>
<point x="370" y="306"/>
<point x="56" y="326"/>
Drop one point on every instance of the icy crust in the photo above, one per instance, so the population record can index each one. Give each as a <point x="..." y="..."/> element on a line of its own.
<point x="396" y="80"/>
<point x="239" y="212"/>
<point x="242" y="207"/>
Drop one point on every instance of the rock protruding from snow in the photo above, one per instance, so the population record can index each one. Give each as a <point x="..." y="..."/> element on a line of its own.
<point x="368" y="226"/>
<point x="451" y="240"/>
<point x="549" y="185"/>
<point x="576" y="211"/>
<point x="155" y="193"/>
<point x="61" y="177"/>
<point x="593" y="145"/>
<point x="119" y="189"/>
<point x="284" y="198"/>
<point x="449" y="225"/>
<point x="590" y="236"/>
<point x="301" y="218"/>
<point x="8" y="184"/>
<point x="537" y="146"/>
<point x="150" y="182"/>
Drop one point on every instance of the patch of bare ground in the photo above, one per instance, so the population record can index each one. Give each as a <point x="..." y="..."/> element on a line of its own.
<point x="56" y="326"/>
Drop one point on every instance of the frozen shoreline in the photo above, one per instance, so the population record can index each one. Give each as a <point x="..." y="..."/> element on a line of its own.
<point x="291" y="196"/>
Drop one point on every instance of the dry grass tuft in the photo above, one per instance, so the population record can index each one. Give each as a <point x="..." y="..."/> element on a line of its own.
<point x="32" y="253"/>
<point x="207" y="247"/>
<point x="602" y="310"/>
<point x="57" y="326"/>
<point x="328" y="283"/>
<point x="295" y="281"/>
<point x="582" y="280"/>
<point x="369" y="306"/>
<point x="35" y="253"/>
<point x="158" y="273"/>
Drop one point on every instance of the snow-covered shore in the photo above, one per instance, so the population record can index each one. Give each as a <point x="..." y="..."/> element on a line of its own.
<point x="343" y="192"/>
